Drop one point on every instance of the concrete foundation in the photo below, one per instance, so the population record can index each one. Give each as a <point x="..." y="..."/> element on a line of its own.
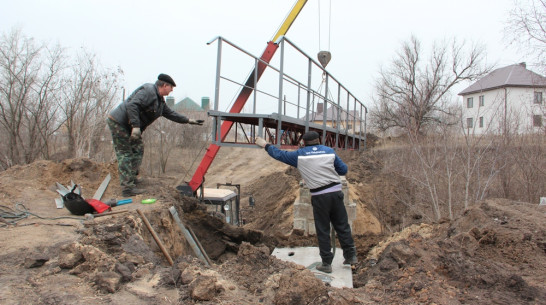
<point x="303" y="210"/>
<point x="309" y="257"/>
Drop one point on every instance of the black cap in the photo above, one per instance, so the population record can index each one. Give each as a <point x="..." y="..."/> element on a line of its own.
<point x="310" y="136"/>
<point x="166" y="78"/>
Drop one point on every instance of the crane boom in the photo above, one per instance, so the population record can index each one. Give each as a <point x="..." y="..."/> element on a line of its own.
<point x="246" y="91"/>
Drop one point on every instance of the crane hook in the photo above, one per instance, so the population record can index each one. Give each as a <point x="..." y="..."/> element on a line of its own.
<point x="324" y="58"/>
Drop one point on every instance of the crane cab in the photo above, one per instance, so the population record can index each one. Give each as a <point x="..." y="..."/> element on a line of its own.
<point x="222" y="202"/>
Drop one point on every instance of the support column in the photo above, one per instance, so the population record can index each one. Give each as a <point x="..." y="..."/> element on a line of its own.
<point x="303" y="210"/>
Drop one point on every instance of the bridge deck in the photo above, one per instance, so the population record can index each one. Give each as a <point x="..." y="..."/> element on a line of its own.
<point x="248" y="126"/>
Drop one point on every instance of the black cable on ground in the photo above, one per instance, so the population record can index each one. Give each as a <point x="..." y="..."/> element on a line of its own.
<point x="9" y="216"/>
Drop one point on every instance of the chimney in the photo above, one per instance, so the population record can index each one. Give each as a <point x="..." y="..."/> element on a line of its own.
<point x="523" y="64"/>
<point x="205" y="103"/>
<point x="170" y="101"/>
<point x="320" y="108"/>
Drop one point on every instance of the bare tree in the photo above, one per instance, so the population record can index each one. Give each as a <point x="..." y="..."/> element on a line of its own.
<point x="42" y="113"/>
<point x="89" y="93"/>
<point x="481" y="162"/>
<point x="411" y="94"/>
<point x="165" y="136"/>
<point x="29" y="82"/>
<point x="526" y="28"/>
<point x="529" y="161"/>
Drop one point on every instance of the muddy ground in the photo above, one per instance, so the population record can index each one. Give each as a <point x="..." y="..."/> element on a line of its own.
<point x="495" y="253"/>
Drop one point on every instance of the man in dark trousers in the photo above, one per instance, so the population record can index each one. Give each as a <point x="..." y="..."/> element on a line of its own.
<point x="130" y="119"/>
<point x="320" y="168"/>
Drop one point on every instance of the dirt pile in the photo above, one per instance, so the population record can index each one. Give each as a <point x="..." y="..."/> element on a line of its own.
<point x="493" y="254"/>
<point x="274" y="196"/>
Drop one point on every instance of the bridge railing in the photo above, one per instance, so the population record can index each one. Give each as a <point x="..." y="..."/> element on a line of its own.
<point x="286" y="93"/>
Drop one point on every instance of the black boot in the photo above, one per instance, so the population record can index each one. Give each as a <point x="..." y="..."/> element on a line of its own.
<point x="130" y="192"/>
<point x="352" y="260"/>
<point x="324" y="267"/>
<point x="350" y="256"/>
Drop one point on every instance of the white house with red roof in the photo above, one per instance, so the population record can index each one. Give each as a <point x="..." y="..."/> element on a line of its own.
<point x="509" y="99"/>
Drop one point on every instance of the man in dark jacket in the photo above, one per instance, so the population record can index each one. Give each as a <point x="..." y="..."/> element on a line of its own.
<point x="130" y="119"/>
<point x="320" y="168"/>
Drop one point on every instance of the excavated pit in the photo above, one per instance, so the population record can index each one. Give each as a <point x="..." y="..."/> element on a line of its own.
<point x="120" y="252"/>
<point x="494" y="253"/>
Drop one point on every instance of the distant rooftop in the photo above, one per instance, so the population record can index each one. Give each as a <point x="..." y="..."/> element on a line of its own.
<point x="187" y="104"/>
<point x="511" y="76"/>
<point x="332" y="115"/>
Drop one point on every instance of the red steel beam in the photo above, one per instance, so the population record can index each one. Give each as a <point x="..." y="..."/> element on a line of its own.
<point x="240" y="102"/>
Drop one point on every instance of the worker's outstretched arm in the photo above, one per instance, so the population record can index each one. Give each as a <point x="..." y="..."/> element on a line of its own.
<point x="288" y="157"/>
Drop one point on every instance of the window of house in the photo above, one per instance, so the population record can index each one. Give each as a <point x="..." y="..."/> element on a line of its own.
<point x="538" y="98"/>
<point x="469" y="123"/>
<point x="481" y="122"/>
<point x="537" y="120"/>
<point x="470" y="102"/>
<point x="482" y="100"/>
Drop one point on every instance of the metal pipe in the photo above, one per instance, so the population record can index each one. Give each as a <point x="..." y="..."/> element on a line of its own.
<point x="156" y="238"/>
<point x="325" y="110"/>
<point x="338" y="118"/>
<point x="347" y="122"/>
<point x="216" y="122"/>
<point x="299" y="98"/>
<point x="309" y="71"/>
<point x="200" y="246"/>
<point x="187" y="235"/>
<point x="354" y="125"/>
<point x="279" y="110"/>
<point x="255" y="86"/>
<point x="365" y="129"/>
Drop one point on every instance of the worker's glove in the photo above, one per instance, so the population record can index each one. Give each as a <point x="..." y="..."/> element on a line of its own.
<point x="260" y="142"/>
<point x="195" y="122"/>
<point x="136" y="133"/>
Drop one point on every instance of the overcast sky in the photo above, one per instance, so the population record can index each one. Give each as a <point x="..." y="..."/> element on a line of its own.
<point x="146" y="38"/>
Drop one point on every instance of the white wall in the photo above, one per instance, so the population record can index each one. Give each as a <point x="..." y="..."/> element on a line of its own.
<point x="519" y="112"/>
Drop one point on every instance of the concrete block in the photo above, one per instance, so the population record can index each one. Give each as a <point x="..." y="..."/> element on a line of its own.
<point x="311" y="227"/>
<point x="345" y="196"/>
<point x="305" y="195"/>
<point x="303" y="210"/>
<point x="300" y="224"/>
<point x="351" y="211"/>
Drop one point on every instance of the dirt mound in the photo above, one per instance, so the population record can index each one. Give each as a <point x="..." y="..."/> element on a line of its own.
<point x="116" y="260"/>
<point x="493" y="254"/>
<point x="42" y="175"/>
<point x="274" y="196"/>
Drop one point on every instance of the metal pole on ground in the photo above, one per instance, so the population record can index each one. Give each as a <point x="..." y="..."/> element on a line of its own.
<point x="193" y="242"/>
<point x="156" y="238"/>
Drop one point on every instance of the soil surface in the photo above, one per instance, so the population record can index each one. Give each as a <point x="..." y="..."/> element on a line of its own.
<point x="495" y="253"/>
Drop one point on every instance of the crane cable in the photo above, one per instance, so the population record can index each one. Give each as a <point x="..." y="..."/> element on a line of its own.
<point x="324" y="56"/>
<point x="329" y="24"/>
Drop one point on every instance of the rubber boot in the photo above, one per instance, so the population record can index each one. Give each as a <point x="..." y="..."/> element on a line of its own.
<point x="326" y="268"/>
<point x="129" y="192"/>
